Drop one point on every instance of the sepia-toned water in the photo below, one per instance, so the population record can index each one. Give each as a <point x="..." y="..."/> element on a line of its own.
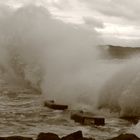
<point x="42" y="58"/>
<point x="23" y="113"/>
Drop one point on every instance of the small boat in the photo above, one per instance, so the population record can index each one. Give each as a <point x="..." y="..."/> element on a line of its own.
<point x="51" y="104"/>
<point x="87" y="119"/>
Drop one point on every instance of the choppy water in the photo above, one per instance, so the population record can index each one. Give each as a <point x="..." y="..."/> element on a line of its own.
<point x="22" y="113"/>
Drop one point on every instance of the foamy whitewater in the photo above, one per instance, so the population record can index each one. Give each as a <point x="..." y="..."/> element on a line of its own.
<point x="43" y="58"/>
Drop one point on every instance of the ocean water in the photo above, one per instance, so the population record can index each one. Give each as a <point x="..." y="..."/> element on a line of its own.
<point x="23" y="113"/>
<point x="43" y="58"/>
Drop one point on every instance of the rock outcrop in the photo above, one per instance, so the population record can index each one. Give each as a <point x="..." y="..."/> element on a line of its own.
<point x="126" y="137"/>
<point x="15" y="138"/>
<point x="47" y="136"/>
<point x="76" y="136"/>
<point x="73" y="136"/>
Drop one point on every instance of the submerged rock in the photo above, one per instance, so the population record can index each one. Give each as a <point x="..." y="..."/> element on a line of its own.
<point x="47" y="136"/>
<point x="132" y="119"/>
<point x="126" y="137"/>
<point x="85" y="119"/>
<point x="51" y="104"/>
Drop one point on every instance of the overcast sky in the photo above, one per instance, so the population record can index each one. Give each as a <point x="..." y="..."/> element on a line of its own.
<point x="117" y="21"/>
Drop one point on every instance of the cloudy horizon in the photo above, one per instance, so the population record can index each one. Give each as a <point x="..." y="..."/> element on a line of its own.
<point x="117" y="22"/>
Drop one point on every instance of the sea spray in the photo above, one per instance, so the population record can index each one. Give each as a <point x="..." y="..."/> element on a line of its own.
<point x="121" y="92"/>
<point x="135" y="129"/>
<point x="38" y="48"/>
<point x="60" y="60"/>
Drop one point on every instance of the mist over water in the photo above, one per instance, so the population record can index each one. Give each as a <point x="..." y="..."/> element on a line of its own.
<point x="63" y="62"/>
<point x="121" y="92"/>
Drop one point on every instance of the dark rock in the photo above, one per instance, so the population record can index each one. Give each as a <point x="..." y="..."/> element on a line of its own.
<point x="74" y="136"/>
<point x="132" y="119"/>
<point x="18" y="138"/>
<point x="15" y="138"/>
<point x="88" y="138"/>
<point x="87" y="119"/>
<point x="51" y="104"/>
<point x="2" y="138"/>
<point x="126" y="137"/>
<point x="99" y="121"/>
<point x="48" y="136"/>
<point x="78" y="118"/>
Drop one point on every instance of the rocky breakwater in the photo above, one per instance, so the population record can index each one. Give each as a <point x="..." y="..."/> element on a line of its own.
<point x="73" y="136"/>
<point x="126" y="137"/>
